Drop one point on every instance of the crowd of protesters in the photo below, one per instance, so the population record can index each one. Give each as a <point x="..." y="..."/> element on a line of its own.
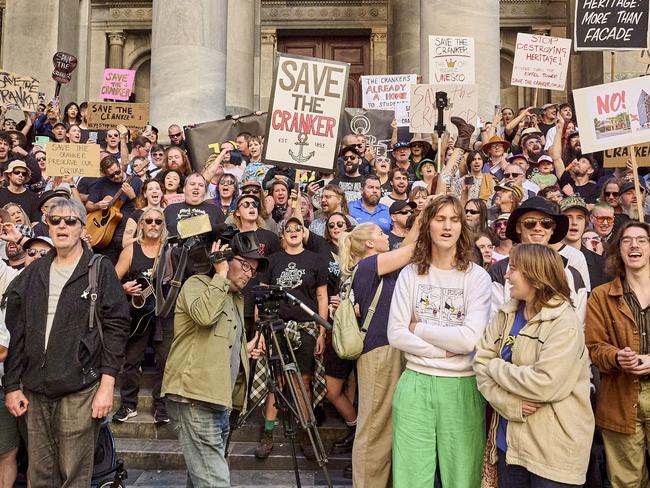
<point x="508" y="282"/>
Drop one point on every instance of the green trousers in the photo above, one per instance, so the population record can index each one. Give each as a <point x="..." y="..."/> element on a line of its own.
<point x="437" y="421"/>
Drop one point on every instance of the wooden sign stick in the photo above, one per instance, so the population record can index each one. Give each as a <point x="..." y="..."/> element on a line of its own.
<point x="612" y="67"/>
<point x="637" y="185"/>
<point x="535" y="97"/>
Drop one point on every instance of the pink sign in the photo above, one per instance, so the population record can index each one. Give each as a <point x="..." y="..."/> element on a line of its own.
<point x="117" y="84"/>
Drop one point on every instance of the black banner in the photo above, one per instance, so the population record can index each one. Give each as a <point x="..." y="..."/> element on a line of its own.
<point x="375" y="125"/>
<point x="611" y="25"/>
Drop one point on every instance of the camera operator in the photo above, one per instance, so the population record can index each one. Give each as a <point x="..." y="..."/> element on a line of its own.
<point x="207" y="368"/>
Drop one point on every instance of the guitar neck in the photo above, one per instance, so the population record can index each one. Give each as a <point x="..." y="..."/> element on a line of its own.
<point x="119" y="193"/>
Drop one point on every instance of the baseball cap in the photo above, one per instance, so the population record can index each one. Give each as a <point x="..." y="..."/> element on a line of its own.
<point x="32" y="240"/>
<point x="399" y="205"/>
<point x="630" y="186"/>
<point x="400" y="144"/>
<point x="573" y="201"/>
<point x="548" y="105"/>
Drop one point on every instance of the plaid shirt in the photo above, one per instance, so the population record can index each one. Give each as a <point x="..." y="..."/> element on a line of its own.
<point x="641" y="316"/>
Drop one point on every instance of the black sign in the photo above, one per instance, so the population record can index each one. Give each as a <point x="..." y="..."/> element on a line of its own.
<point x="375" y="125"/>
<point x="611" y="25"/>
<point x="64" y="64"/>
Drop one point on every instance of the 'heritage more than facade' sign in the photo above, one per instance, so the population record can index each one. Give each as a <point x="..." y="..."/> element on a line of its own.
<point x="451" y="60"/>
<point x="19" y="92"/>
<point x="541" y="61"/>
<point x="106" y="115"/>
<point x="611" y="25"/>
<point x="72" y="159"/>
<point x="117" y="84"/>
<point x="305" y="109"/>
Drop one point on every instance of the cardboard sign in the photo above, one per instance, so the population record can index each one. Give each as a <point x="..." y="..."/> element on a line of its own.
<point x="402" y="113"/>
<point x="107" y="115"/>
<point x="18" y="92"/>
<point x="451" y="60"/>
<point x="614" y="114"/>
<point x="617" y="158"/>
<point x="307" y="99"/>
<point x="64" y="65"/>
<point x="541" y="61"/>
<point x="463" y="103"/>
<point x="72" y="159"/>
<point x="611" y="25"/>
<point x="117" y="84"/>
<point x="384" y="92"/>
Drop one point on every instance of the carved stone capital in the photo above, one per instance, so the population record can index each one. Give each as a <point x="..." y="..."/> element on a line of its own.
<point x="116" y="38"/>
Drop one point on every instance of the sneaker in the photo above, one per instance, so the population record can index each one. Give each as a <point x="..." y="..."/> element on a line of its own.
<point x="344" y="445"/>
<point x="264" y="448"/>
<point x="124" y="413"/>
<point x="160" y="416"/>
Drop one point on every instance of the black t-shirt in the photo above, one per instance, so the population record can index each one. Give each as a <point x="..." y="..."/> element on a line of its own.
<point x="105" y="187"/>
<point x="544" y="128"/>
<point x="85" y="184"/>
<point x="182" y="210"/>
<point x="394" y="241"/>
<point x="588" y="192"/>
<point x="27" y="200"/>
<point x="351" y="185"/>
<point x="329" y="253"/>
<point x="269" y="244"/>
<point x="41" y="230"/>
<point x="300" y="275"/>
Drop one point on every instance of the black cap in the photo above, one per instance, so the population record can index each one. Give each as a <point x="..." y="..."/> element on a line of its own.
<point x="543" y="205"/>
<point x="399" y="205"/>
<point x="630" y="186"/>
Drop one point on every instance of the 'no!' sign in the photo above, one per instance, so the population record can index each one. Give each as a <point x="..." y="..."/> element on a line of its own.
<point x="64" y="64"/>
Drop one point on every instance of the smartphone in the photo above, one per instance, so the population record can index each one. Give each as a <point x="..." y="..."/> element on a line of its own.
<point x="469" y="180"/>
<point x="497" y="109"/>
<point x="147" y="129"/>
<point x="235" y="156"/>
<point x="320" y="183"/>
<point x="92" y="136"/>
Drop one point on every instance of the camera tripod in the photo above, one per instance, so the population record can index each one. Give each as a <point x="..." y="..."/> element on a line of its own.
<point x="285" y="382"/>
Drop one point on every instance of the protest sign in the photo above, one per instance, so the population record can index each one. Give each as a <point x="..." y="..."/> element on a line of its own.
<point x="613" y="115"/>
<point x="307" y="99"/>
<point x="541" y="61"/>
<point x="18" y="92"/>
<point x="611" y="25"/>
<point x="107" y="115"/>
<point x="402" y="113"/>
<point x="451" y="60"/>
<point x="463" y="103"/>
<point x="618" y="157"/>
<point x="72" y="159"/>
<point x="117" y="84"/>
<point x="374" y="124"/>
<point x="64" y="65"/>
<point x="384" y="92"/>
<point x="205" y="138"/>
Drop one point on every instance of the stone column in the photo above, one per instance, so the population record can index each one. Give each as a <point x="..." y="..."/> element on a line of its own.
<point x="268" y="51"/>
<point x="405" y="35"/>
<point x="188" y="62"/>
<point x="467" y="18"/>
<point x="240" y="63"/>
<point x="115" y="49"/>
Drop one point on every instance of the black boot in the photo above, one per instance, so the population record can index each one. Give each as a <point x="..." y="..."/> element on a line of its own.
<point x="465" y="132"/>
<point x="344" y="445"/>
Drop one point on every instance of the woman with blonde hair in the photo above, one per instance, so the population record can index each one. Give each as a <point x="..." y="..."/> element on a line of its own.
<point x="439" y="311"/>
<point x="532" y="366"/>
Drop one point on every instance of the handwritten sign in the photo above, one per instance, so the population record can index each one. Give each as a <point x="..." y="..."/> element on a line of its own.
<point x="541" y="61"/>
<point x="613" y="115"/>
<point x="384" y="92"/>
<point x="402" y="111"/>
<point x="64" y="65"/>
<point x="618" y="157"/>
<point x="463" y="103"/>
<point x="107" y="115"/>
<point x="451" y="60"/>
<point x="72" y="159"/>
<point x="18" y="92"/>
<point x="307" y="99"/>
<point x="611" y="25"/>
<point x="117" y="84"/>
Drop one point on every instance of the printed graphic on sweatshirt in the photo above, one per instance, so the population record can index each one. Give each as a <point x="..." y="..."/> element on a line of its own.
<point x="440" y="306"/>
<point x="290" y="277"/>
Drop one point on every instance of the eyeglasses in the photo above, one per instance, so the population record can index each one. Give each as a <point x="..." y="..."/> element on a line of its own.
<point x="340" y="225"/>
<point x="249" y="203"/>
<point x="469" y="211"/>
<point x="610" y="194"/>
<point x="246" y="267"/>
<point x="349" y="158"/>
<point x="152" y="221"/>
<point x="602" y="219"/>
<point x="35" y="252"/>
<point x="113" y="175"/>
<point x="293" y="228"/>
<point x="531" y="223"/>
<point x="512" y="175"/>
<point x="19" y="173"/>
<point x="178" y="134"/>
<point x="69" y="220"/>
<point x="641" y="240"/>
<point x="254" y="191"/>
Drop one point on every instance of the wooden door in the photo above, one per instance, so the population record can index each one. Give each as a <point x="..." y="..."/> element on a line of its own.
<point x="352" y="49"/>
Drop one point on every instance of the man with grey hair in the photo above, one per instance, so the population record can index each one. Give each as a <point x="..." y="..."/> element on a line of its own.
<point x="61" y="367"/>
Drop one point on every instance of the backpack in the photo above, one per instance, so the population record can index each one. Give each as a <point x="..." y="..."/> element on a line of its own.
<point x="347" y="336"/>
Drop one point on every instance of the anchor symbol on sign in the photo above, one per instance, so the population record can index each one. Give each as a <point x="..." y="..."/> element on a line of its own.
<point x="302" y="142"/>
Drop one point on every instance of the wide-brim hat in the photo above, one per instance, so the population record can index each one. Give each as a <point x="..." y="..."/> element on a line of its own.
<point x="496" y="139"/>
<point x="421" y="140"/>
<point x="422" y="163"/>
<point x="17" y="163"/>
<point x="538" y="204"/>
<point x="511" y="187"/>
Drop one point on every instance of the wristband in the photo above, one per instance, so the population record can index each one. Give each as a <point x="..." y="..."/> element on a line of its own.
<point x="20" y="240"/>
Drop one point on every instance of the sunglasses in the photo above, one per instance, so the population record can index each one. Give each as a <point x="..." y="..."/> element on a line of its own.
<point x="149" y="221"/>
<point x="227" y="182"/>
<point x="512" y="175"/>
<point x="249" y="203"/>
<point x="531" y="223"/>
<point x="254" y="191"/>
<point x="503" y="223"/>
<point x="469" y="211"/>
<point x="602" y="219"/>
<point x="405" y="212"/>
<point x="69" y="220"/>
<point x="357" y="145"/>
<point x="112" y="135"/>
<point x="340" y="225"/>
<point x="35" y="252"/>
<point x="349" y="158"/>
<point x="158" y="154"/>
<point x="19" y="173"/>
<point x="293" y="228"/>
<point x="113" y="175"/>
<point x="594" y="238"/>
<point x="40" y="159"/>
<point x="175" y="135"/>
<point x="611" y="194"/>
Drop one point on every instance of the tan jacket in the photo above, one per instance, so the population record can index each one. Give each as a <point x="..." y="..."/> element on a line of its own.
<point x="550" y="365"/>
<point x="198" y="365"/>
<point x="610" y="326"/>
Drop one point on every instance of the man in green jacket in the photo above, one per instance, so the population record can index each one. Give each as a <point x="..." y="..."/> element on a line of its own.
<point x="207" y="370"/>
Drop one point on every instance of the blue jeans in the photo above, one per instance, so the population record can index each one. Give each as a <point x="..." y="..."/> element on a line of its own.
<point x="513" y="476"/>
<point x="203" y="433"/>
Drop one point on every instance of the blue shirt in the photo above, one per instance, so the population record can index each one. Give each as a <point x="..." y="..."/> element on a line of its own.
<point x="379" y="216"/>
<point x="506" y="354"/>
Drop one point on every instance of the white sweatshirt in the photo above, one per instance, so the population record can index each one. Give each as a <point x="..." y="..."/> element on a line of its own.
<point x="451" y="309"/>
